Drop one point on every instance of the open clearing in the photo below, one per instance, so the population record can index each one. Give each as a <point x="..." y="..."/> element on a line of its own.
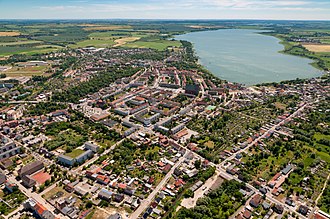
<point x="25" y="71"/>
<point x="5" y="33"/>
<point x="317" y="47"/>
<point x="123" y="41"/>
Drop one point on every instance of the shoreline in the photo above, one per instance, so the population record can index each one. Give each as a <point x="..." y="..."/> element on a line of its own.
<point x="281" y="41"/>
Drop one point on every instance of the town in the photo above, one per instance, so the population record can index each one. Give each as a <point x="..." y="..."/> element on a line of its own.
<point x="138" y="133"/>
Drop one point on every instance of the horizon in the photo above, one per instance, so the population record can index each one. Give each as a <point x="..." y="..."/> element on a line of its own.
<point x="318" y="10"/>
<point x="153" y="19"/>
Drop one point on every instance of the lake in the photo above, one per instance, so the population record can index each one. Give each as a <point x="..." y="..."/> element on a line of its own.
<point x="247" y="57"/>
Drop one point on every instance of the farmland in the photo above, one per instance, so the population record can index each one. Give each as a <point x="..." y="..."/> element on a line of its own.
<point x="317" y="47"/>
<point x="11" y="33"/>
<point x="26" y="71"/>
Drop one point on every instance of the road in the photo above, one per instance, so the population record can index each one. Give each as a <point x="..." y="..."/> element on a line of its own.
<point x="225" y="175"/>
<point x="273" y="128"/>
<point x="34" y="195"/>
<point x="318" y="198"/>
<point x="145" y="203"/>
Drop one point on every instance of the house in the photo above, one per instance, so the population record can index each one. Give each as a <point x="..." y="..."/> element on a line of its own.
<point x="30" y="168"/>
<point x="256" y="200"/>
<point x="80" y="191"/>
<point x="287" y="169"/>
<point x="278" y="209"/>
<point x="11" y="187"/>
<point x="247" y="214"/>
<point x="263" y="190"/>
<point x="38" y="209"/>
<point x="115" y="216"/>
<point x="166" y="168"/>
<point x="105" y="194"/>
<point x="102" y="179"/>
<point x="303" y="210"/>
<point x="265" y="205"/>
<point x="118" y="198"/>
<point x="3" y="178"/>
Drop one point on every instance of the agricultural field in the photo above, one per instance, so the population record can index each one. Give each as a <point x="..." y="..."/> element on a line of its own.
<point x="157" y="44"/>
<point x="9" y="33"/>
<point x="317" y="47"/>
<point x="98" y="43"/>
<point x="107" y="27"/>
<point x="26" y="71"/>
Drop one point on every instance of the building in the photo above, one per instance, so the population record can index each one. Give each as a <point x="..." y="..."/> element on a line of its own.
<point x="84" y="156"/>
<point x="38" y="209"/>
<point x="256" y="200"/>
<point x="70" y="161"/>
<point x="287" y="169"/>
<point x="30" y="168"/>
<point x="192" y="89"/>
<point x="278" y="209"/>
<point x="115" y="216"/>
<point x="90" y="146"/>
<point x="11" y="187"/>
<point x="3" y="178"/>
<point x="105" y="194"/>
<point x="66" y="160"/>
<point x="28" y="181"/>
<point x="8" y="148"/>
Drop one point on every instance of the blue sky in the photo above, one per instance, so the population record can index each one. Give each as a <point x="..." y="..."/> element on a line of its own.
<point x="166" y="9"/>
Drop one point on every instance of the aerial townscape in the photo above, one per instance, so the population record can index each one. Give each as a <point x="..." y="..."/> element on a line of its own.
<point x="111" y="119"/>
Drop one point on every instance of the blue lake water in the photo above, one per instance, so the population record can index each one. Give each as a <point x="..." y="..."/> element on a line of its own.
<point x="247" y="57"/>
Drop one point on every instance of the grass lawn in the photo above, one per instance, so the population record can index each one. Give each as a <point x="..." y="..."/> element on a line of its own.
<point x="209" y="144"/>
<point x="279" y="105"/>
<point x="319" y="136"/>
<point x="53" y="192"/>
<point x="324" y="156"/>
<point x="75" y="153"/>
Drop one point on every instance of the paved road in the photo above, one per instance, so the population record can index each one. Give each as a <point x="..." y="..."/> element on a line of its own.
<point x="145" y="203"/>
<point x="227" y="176"/>
<point x="273" y="128"/>
<point x="34" y="195"/>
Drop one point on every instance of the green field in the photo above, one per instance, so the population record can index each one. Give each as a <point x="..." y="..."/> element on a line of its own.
<point x="98" y="43"/>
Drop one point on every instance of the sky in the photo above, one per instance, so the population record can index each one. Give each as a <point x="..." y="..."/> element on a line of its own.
<point x="166" y="9"/>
